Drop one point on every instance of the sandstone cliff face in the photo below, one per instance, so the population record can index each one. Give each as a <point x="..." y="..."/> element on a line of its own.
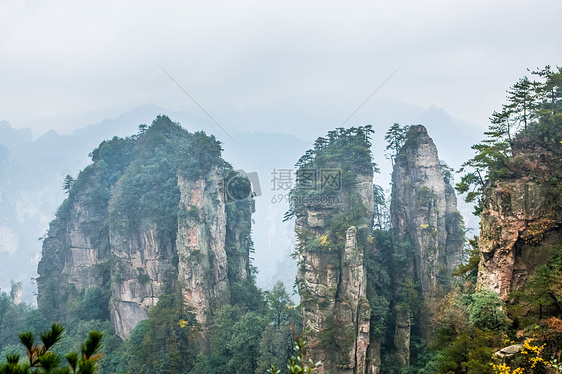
<point x="427" y="229"/>
<point x="203" y="267"/>
<point x="520" y="222"/>
<point x="76" y="244"/>
<point x="332" y="284"/>
<point x="333" y="226"/>
<point x="143" y="269"/>
<point x="147" y="219"/>
<point x="521" y="218"/>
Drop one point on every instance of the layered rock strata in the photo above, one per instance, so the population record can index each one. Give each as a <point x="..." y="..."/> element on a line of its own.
<point x="521" y="222"/>
<point x="144" y="220"/>
<point x="427" y="228"/>
<point x="333" y="225"/>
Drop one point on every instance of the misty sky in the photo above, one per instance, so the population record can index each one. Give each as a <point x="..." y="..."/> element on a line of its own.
<point x="69" y="56"/>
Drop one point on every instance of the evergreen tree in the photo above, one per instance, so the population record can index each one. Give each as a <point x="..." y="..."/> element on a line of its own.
<point x="279" y="303"/>
<point x="382" y="213"/>
<point x="501" y="126"/>
<point x="67" y="184"/>
<point x="395" y="138"/>
<point x="532" y="112"/>
<point x="244" y="344"/>
<point x="522" y="101"/>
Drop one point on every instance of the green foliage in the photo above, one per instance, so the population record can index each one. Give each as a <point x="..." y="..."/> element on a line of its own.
<point x="280" y="305"/>
<point x="532" y="118"/>
<point x="446" y="171"/>
<point x="469" y="326"/>
<point x="238" y="187"/>
<point x="469" y="267"/>
<point x="382" y="208"/>
<point x="298" y="364"/>
<point x="228" y="333"/>
<point x="276" y="346"/>
<point x="95" y="304"/>
<point x="244" y="344"/>
<point x="379" y="290"/>
<point x="485" y="311"/>
<point x="543" y="290"/>
<point x="425" y="197"/>
<point x="166" y="342"/>
<point x="143" y="174"/>
<point x="41" y="358"/>
<point x="345" y="153"/>
<point x="242" y="340"/>
<point x="142" y="277"/>
<point x="67" y="184"/>
<point x="350" y="147"/>
<point x="13" y="322"/>
<point x="409" y="296"/>
<point x="136" y="180"/>
<point x="239" y="247"/>
<point x="78" y="331"/>
<point x="470" y="352"/>
<point x="91" y="345"/>
<point x="490" y="162"/>
<point x="522" y="101"/>
<point x="395" y="138"/>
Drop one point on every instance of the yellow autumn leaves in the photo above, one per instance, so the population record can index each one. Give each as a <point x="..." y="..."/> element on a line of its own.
<point x="531" y="359"/>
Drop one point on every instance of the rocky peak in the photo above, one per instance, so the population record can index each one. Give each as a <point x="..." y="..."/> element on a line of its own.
<point x="148" y="218"/>
<point x="424" y="210"/>
<point x="427" y="228"/>
<point x="15" y="293"/>
<point x="333" y="224"/>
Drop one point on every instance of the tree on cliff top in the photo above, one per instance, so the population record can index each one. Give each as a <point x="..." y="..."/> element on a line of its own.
<point x="349" y="146"/>
<point x="395" y="137"/>
<point x="531" y="118"/>
<point x="340" y="157"/>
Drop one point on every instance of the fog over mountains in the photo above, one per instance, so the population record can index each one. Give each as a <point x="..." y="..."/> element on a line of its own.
<point x="264" y="140"/>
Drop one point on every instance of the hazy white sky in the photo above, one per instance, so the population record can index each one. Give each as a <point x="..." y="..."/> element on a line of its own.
<point x="68" y="56"/>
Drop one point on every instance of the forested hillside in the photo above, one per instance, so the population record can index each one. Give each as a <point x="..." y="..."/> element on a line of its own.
<point x="153" y="247"/>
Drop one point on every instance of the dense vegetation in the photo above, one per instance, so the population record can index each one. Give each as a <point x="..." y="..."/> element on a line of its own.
<point x="255" y="330"/>
<point x="242" y="338"/>
<point x="523" y="143"/>
<point x="134" y="182"/>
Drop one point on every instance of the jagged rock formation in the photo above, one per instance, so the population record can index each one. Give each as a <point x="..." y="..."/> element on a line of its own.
<point x="150" y="217"/>
<point x="333" y="289"/>
<point x="428" y="233"/>
<point x="203" y="267"/>
<point x="342" y="274"/>
<point x="521" y="219"/>
<point x="15" y="293"/>
<point x="333" y="223"/>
